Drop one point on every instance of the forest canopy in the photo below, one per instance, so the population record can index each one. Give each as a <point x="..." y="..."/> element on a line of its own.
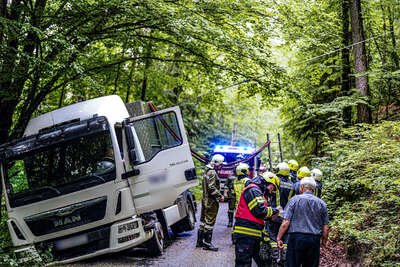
<point x="315" y="72"/>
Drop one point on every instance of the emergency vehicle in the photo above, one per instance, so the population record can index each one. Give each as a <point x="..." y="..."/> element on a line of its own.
<point x="232" y="154"/>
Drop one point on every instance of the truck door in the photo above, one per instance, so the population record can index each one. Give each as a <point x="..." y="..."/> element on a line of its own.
<point x="160" y="159"/>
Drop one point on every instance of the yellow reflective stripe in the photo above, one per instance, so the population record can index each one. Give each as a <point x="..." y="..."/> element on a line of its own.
<point x="278" y="198"/>
<point x="252" y="203"/>
<point x="261" y="199"/>
<point x="269" y="212"/>
<point x="246" y="231"/>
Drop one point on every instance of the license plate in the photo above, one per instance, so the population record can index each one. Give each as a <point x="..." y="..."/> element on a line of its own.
<point x="71" y="242"/>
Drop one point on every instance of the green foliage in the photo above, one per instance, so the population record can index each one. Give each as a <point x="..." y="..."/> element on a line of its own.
<point x="6" y="255"/>
<point x="312" y="124"/>
<point x="362" y="191"/>
<point x="17" y="172"/>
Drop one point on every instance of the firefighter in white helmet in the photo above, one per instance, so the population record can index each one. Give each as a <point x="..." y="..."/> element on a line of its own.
<point x="317" y="175"/>
<point x="210" y="203"/>
<point x="286" y="185"/>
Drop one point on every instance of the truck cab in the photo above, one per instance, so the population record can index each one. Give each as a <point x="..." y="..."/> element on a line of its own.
<point x="90" y="179"/>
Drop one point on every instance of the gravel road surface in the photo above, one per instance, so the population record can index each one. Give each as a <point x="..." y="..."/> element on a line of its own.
<point x="181" y="252"/>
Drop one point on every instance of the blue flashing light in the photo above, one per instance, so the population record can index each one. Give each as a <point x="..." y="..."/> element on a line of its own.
<point x="233" y="149"/>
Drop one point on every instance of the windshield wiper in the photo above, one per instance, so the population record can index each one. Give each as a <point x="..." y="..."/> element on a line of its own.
<point x="86" y="181"/>
<point x="48" y="188"/>
<point x="98" y="177"/>
<point x="35" y="195"/>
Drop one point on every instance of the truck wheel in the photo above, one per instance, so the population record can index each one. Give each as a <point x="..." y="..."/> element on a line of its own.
<point x="155" y="246"/>
<point x="187" y="223"/>
<point x="190" y="220"/>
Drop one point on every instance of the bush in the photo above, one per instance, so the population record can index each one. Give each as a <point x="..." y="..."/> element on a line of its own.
<point x="362" y="190"/>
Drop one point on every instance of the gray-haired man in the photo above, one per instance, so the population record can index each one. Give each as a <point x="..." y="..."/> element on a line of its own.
<point x="306" y="220"/>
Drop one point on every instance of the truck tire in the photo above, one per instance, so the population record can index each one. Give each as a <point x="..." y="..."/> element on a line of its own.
<point x="187" y="223"/>
<point x="155" y="246"/>
<point x="190" y="220"/>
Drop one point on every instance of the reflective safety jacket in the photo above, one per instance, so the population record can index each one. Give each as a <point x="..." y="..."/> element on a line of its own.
<point x="251" y="213"/>
<point x="295" y="190"/>
<point x="239" y="185"/>
<point x="293" y="176"/>
<point x="318" y="189"/>
<point x="285" y="187"/>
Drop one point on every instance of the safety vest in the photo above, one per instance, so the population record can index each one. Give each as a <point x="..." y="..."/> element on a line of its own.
<point x="243" y="211"/>
<point x="239" y="185"/>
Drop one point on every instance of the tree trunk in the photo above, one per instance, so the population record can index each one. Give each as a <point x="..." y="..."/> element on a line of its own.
<point x="116" y="79"/>
<point x="346" y="36"/>
<point x="146" y="67"/>
<point x="395" y="56"/>
<point x="360" y="60"/>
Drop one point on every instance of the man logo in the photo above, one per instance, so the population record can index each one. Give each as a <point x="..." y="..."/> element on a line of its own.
<point x="67" y="220"/>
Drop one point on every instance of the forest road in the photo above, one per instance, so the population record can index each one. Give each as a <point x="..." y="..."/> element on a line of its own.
<point x="181" y="252"/>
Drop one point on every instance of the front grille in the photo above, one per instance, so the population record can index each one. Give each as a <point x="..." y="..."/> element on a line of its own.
<point x="67" y="217"/>
<point x="97" y="239"/>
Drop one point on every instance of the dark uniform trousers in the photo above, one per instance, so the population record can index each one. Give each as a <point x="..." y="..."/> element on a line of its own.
<point x="209" y="211"/>
<point x="231" y="196"/>
<point x="303" y="250"/>
<point x="246" y="249"/>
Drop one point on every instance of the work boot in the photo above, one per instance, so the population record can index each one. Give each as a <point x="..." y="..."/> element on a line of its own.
<point x="200" y="238"/>
<point x="230" y="218"/>
<point x="207" y="245"/>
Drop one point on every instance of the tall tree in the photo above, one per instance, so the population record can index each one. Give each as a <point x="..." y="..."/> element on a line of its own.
<point x="345" y="58"/>
<point x="360" y="60"/>
<point x="79" y="49"/>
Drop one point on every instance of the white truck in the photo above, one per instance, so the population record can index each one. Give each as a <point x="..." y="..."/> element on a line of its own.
<point x="91" y="178"/>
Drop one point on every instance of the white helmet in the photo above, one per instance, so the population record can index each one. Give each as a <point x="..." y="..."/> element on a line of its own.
<point x="217" y="160"/>
<point x="316" y="174"/>
<point x="242" y="169"/>
<point x="283" y="169"/>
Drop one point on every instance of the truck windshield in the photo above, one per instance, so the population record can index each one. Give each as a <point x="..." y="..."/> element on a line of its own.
<point x="59" y="168"/>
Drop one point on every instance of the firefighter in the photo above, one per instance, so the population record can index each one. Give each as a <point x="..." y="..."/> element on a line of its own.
<point x="252" y="210"/>
<point x="233" y="187"/>
<point x="210" y="203"/>
<point x="286" y="184"/>
<point x="243" y="180"/>
<point x="272" y="226"/>
<point x="317" y="175"/>
<point x="293" y="166"/>
<point x="301" y="173"/>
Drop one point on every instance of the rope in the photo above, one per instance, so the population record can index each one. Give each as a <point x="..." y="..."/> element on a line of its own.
<point x="258" y="151"/>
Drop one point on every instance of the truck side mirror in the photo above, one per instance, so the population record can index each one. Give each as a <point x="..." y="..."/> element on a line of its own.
<point x="131" y="144"/>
